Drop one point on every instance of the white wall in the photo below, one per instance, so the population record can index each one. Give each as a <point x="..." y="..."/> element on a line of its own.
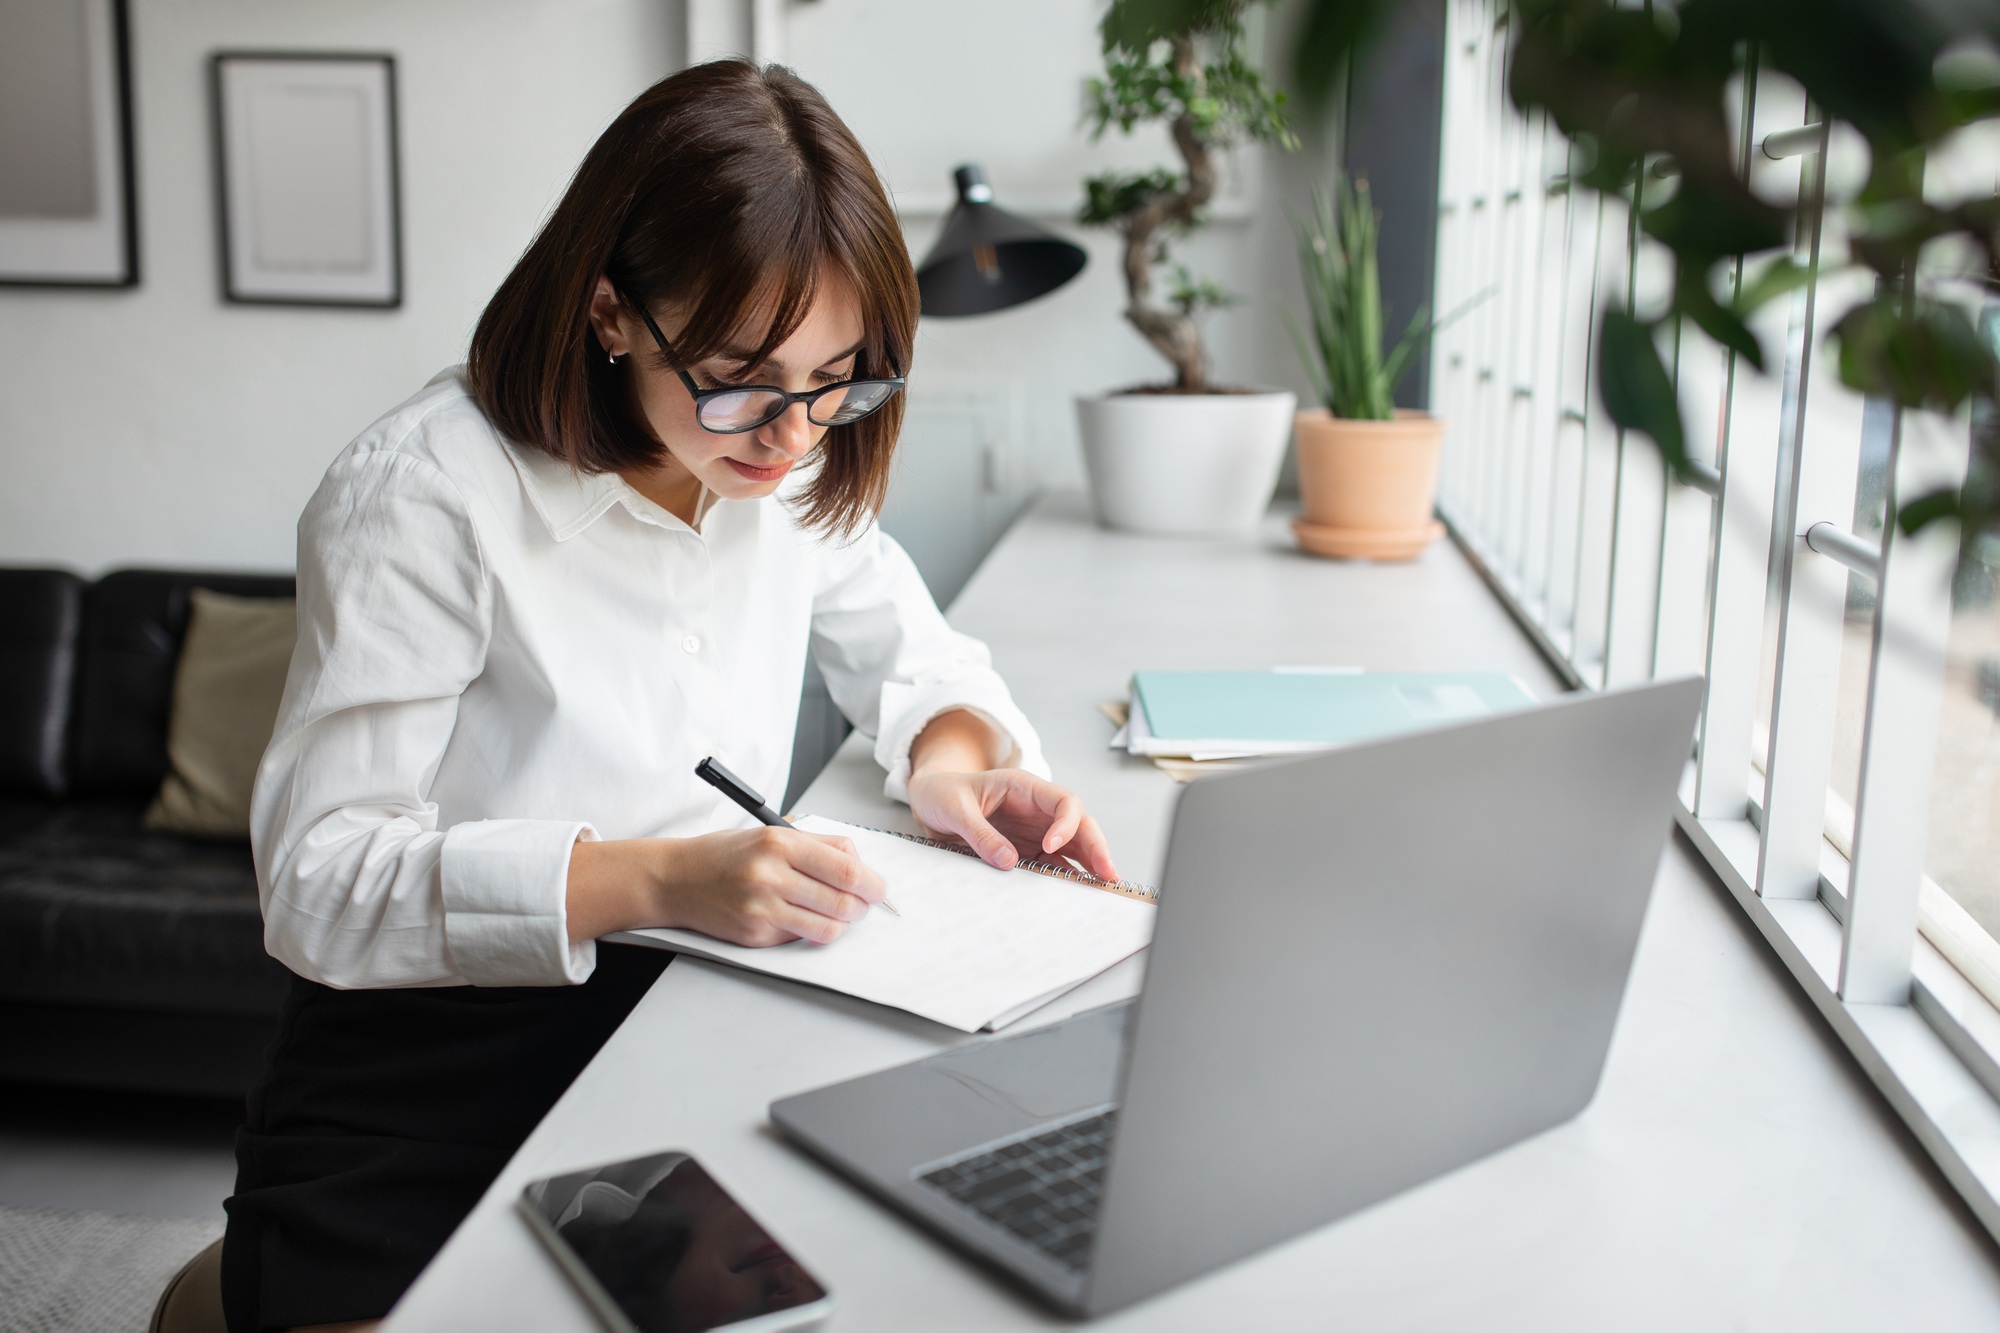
<point x="161" y="425"/>
<point x="927" y="85"/>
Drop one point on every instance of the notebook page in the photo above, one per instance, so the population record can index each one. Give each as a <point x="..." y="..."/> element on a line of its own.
<point x="974" y="946"/>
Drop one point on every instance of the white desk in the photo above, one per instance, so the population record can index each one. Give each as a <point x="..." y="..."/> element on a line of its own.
<point x="1733" y="1172"/>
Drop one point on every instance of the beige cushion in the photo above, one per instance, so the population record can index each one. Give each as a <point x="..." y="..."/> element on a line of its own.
<point x="226" y="692"/>
<point x="192" y="1302"/>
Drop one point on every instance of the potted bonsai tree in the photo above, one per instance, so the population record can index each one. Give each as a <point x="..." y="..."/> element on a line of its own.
<point x="1367" y="471"/>
<point x="1186" y="457"/>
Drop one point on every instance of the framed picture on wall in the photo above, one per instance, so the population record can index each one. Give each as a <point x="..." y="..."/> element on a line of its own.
<point x="306" y="151"/>
<point x="67" y="213"/>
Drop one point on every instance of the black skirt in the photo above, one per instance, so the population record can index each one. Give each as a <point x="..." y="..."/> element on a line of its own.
<point x="381" y="1118"/>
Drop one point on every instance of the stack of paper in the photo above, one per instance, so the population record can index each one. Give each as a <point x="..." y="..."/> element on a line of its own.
<point x="973" y="947"/>
<point x="1191" y="722"/>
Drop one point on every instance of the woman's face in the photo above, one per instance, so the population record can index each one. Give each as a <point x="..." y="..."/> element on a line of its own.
<point x="820" y="351"/>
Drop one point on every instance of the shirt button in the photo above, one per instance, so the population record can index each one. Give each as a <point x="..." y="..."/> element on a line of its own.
<point x="690" y="644"/>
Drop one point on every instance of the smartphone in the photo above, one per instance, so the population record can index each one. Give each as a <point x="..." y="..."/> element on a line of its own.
<point x="657" y="1246"/>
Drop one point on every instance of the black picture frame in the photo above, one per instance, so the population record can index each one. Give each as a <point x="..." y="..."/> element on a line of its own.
<point x="100" y="250"/>
<point x="247" y="275"/>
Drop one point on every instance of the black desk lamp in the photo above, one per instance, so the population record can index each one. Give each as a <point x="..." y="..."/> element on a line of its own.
<point x="988" y="259"/>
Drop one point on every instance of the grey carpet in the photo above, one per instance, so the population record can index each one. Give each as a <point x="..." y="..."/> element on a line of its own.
<point x="89" y="1272"/>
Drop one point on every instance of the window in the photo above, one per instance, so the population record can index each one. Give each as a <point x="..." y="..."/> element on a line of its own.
<point x="1960" y="898"/>
<point x="1840" y="667"/>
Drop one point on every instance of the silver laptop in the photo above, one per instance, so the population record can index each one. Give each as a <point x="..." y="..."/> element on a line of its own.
<point x="1371" y="967"/>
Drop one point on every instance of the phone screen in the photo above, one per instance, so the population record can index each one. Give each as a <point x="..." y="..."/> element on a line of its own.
<point x="666" y="1245"/>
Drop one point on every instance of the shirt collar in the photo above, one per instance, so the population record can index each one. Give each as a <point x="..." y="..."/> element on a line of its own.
<point x="568" y="501"/>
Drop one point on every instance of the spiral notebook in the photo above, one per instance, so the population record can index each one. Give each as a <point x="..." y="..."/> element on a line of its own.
<point x="974" y="948"/>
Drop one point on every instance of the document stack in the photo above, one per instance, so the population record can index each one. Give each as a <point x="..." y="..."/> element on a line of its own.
<point x="1196" y="722"/>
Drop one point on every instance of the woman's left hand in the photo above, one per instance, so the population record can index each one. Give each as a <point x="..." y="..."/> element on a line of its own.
<point x="1007" y="815"/>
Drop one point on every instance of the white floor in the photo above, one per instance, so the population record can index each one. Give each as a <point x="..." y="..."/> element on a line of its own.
<point x="122" y="1153"/>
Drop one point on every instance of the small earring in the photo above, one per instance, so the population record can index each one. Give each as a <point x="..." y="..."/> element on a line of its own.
<point x="612" y="357"/>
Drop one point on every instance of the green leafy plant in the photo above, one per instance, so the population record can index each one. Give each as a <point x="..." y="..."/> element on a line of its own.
<point x="1351" y="374"/>
<point x="1643" y="98"/>
<point x="1643" y="94"/>
<point x="1181" y="64"/>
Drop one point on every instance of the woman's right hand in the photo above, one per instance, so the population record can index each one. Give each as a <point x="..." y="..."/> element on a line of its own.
<point x="754" y="887"/>
<point x="767" y="886"/>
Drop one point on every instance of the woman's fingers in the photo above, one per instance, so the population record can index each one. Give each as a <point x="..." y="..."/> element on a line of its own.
<point x="778" y="922"/>
<point x="1005" y="815"/>
<point x="993" y="847"/>
<point x="1041" y="817"/>
<point x="823" y="899"/>
<point x="778" y="884"/>
<point x="834" y="862"/>
<point x="1069" y="832"/>
<point x="1047" y="820"/>
<point x="800" y="909"/>
<point x="1063" y="827"/>
<point x="1089" y="849"/>
<point x="803" y="923"/>
<point x="968" y="821"/>
<point x="824" y="887"/>
<point x="798" y="906"/>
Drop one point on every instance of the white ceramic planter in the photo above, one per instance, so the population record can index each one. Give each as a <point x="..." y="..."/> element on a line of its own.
<point x="1184" y="465"/>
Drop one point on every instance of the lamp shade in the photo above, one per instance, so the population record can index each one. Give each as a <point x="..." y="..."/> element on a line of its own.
<point x="988" y="259"/>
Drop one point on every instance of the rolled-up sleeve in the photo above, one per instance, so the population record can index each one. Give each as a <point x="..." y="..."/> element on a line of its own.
<point x="360" y="885"/>
<point x="892" y="663"/>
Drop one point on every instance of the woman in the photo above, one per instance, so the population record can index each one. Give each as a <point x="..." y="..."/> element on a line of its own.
<point x="530" y="599"/>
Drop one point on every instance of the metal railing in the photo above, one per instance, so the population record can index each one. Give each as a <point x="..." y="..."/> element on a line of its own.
<point x="1622" y="573"/>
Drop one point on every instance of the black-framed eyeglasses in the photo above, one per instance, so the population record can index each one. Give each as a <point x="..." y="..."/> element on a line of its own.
<point x="736" y="408"/>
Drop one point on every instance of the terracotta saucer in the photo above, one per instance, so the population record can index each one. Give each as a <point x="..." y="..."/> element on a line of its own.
<point x="1366" y="543"/>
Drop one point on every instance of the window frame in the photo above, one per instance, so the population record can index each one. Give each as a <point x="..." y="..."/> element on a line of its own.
<point x="1620" y="573"/>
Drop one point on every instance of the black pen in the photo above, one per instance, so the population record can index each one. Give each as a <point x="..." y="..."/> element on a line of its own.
<point x="711" y="771"/>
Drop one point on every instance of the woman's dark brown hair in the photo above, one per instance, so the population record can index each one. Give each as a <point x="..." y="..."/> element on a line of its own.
<point x="722" y="190"/>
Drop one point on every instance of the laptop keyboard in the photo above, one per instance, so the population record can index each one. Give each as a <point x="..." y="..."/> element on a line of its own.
<point x="1043" y="1188"/>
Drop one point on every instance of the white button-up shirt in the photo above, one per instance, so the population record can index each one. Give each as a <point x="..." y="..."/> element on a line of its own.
<point x="498" y="656"/>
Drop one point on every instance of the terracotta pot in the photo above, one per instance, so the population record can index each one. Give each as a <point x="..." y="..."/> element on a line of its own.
<point x="1368" y="486"/>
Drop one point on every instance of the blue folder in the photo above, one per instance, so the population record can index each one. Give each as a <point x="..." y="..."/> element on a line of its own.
<point x="1278" y="711"/>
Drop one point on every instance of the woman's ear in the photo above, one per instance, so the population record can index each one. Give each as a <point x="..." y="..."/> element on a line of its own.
<point x="606" y="318"/>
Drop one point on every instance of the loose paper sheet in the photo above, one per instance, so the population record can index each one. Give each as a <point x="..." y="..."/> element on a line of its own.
<point x="974" y="947"/>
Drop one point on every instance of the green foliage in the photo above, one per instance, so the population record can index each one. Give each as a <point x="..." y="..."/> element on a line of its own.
<point x="1180" y="63"/>
<point x="1222" y="101"/>
<point x="1922" y="353"/>
<point x="1782" y="276"/>
<point x="1642" y="92"/>
<point x="1191" y="295"/>
<point x="1635" y="386"/>
<point x="1134" y="27"/>
<point x="1705" y="223"/>
<point x="1117" y="194"/>
<point x="1351" y="376"/>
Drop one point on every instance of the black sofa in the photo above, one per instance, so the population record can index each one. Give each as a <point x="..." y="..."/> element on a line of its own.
<point x="131" y="959"/>
<point x="128" y="959"/>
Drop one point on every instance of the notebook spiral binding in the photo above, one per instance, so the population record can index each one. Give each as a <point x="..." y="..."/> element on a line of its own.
<point x="1145" y="893"/>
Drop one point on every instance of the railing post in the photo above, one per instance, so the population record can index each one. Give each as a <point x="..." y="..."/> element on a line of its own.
<point x="1739" y="574"/>
<point x="1899" y="737"/>
<point x="1824" y="450"/>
